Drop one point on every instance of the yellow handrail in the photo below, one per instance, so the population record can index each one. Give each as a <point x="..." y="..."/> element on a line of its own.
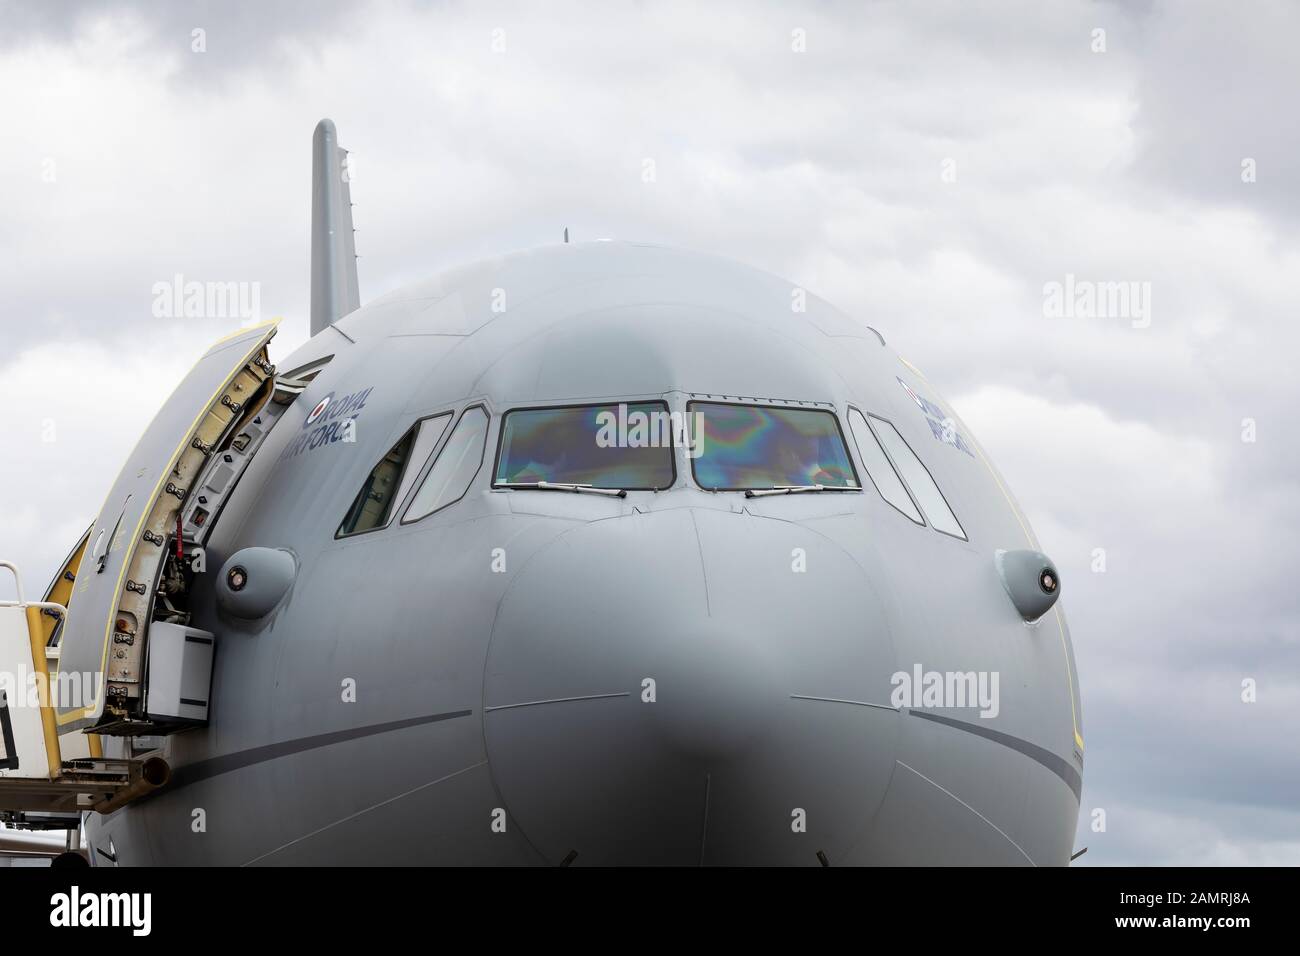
<point x="36" y="637"/>
<point x="36" y="633"/>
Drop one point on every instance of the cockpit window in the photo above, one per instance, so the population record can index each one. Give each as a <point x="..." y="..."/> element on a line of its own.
<point x="879" y="470"/>
<point x="455" y="467"/>
<point x="426" y="440"/>
<point x="917" y="477"/>
<point x="374" y="502"/>
<point x="626" y="446"/>
<point x="760" y="447"/>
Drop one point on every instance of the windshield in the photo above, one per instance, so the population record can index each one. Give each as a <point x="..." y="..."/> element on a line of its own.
<point x="760" y="446"/>
<point x="625" y="445"/>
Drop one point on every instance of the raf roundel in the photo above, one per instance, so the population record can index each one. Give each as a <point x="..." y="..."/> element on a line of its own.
<point x="319" y="410"/>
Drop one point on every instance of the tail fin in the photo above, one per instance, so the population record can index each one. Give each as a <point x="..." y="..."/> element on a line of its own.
<point x="334" y="289"/>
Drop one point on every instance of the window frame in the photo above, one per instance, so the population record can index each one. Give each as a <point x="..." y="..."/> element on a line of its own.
<point x="501" y="436"/>
<point x="412" y="430"/>
<point x="866" y="420"/>
<point x="417" y="479"/>
<point x="924" y="467"/>
<point x="433" y="462"/>
<point x="848" y="455"/>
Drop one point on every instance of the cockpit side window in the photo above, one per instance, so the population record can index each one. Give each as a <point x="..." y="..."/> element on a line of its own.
<point x="918" y="479"/>
<point x="455" y="468"/>
<point x="374" y="502"/>
<point x="879" y="470"/>
<point x="431" y="432"/>
<point x="390" y="480"/>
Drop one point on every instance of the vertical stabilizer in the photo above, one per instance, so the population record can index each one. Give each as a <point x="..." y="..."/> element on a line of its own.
<point x="334" y="289"/>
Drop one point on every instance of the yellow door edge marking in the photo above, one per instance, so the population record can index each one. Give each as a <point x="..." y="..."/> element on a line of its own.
<point x="84" y="712"/>
<point x="1065" y="650"/>
<point x="242" y="331"/>
<point x="172" y="394"/>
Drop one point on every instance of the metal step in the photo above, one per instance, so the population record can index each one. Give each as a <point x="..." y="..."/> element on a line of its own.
<point x="34" y="775"/>
<point x="102" y="785"/>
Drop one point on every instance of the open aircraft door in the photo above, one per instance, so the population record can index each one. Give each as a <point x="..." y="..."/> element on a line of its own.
<point x="133" y="572"/>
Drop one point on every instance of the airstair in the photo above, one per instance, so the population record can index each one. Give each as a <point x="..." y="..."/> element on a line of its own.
<point x="48" y="780"/>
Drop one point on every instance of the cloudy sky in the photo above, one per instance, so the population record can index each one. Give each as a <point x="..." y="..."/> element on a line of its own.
<point x="928" y="167"/>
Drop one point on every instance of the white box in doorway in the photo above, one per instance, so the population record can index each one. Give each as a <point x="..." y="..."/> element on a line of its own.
<point x="180" y="673"/>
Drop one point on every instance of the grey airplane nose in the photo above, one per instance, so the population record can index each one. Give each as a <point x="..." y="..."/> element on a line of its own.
<point x="678" y="688"/>
<point x="718" y="689"/>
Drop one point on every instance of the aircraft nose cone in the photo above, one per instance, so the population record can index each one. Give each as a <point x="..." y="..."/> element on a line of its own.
<point x="690" y="686"/>
<point x="714" y="692"/>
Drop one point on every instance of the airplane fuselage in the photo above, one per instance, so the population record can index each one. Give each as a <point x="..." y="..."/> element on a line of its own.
<point x="677" y="676"/>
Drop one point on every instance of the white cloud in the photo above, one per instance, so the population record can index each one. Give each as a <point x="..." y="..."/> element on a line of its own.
<point x="72" y="414"/>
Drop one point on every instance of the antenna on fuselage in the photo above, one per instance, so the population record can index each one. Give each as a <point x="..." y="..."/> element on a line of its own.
<point x="334" y="288"/>
<point x="566" y="234"/>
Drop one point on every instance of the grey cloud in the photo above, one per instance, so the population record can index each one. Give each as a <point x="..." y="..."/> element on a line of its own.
<point x="240" y="34"/>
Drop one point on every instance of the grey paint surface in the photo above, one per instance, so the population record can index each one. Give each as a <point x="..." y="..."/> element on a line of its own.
<point x="522" y="691"/>
<point x="334" y="288"/>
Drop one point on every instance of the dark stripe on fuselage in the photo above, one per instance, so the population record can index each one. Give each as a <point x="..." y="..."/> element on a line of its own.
<point x="1073" y="779"/>
<point x="215" y="766"/>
